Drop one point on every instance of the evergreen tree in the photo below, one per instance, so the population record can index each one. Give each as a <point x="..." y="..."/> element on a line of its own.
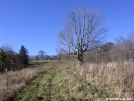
<point x="23" y="54"/>
<point x="2" y="59"/>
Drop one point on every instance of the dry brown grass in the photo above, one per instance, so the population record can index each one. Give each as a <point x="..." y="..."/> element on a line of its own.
<point x="17" y="80"/>
<point x="116" y="78"/>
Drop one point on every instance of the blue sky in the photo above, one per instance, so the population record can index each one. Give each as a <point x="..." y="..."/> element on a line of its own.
<point x="36" y="23"/>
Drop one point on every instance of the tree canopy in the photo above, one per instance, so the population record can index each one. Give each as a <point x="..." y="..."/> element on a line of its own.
<point x="82" y="29"/>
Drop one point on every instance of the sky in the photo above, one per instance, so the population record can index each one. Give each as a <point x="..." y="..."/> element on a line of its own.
<point x="36" y="23"/>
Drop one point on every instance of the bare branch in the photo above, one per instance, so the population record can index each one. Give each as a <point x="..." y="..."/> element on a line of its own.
<point x="83" y="27"/>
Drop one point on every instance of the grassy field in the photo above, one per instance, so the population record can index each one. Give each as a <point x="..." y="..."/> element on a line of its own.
<point x="11" y="83"/>
<point x="64" y="81"/>
<point x="60" y="84"/>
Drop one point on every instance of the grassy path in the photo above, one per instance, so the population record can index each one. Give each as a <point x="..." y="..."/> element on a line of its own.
<point x="60" y="84"/>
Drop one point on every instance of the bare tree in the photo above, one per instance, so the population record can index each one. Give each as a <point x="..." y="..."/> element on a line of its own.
<point x="8" y="49"/>
<point x="82" y="29"/>
<point x="124" y="48"/>
<point x="58" y="53"/>
<point x="41" y="54"/>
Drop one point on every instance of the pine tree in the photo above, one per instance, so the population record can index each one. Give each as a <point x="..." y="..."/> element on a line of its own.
<point x="23" y="54"/>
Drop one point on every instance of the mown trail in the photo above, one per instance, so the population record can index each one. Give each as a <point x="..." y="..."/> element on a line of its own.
<point x="60" y="84"/>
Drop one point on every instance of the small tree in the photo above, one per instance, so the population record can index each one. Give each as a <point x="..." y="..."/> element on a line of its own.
<point x="105" y="50"/>
<point x="2" y="59"/>
<point x="10" y="56"/>
<point x="58" y="50"/>
<point x="23" y="55"/>
<point x="82" y="29"/>
<point x="41" y="54"/>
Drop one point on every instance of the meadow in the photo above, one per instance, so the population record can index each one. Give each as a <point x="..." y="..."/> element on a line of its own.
<point x="65" y="81"/>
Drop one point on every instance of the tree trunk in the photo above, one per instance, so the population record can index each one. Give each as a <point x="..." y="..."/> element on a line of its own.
<point x="80" y="59"/>
<point x="59" y="58"/>
<point x="79" y="63"/>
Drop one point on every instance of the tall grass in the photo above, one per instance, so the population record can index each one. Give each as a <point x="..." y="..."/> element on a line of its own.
<point x="17" y="79"/>
<point x="117" y="78"/>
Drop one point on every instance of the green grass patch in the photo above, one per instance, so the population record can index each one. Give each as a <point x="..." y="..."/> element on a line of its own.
<point x="60" y="84"/>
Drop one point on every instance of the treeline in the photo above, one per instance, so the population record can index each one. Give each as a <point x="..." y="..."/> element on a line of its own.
<point x="44" y="57"/>
<point x="12" y="60"/>
<point x="121" y="50"/>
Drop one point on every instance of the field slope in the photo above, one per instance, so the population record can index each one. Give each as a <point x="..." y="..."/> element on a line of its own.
<point x="60" y="84"/>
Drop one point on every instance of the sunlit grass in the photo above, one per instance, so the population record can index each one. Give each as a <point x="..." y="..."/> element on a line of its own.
<point x="61" y="84"/>
<point x="18" y="79"/>
<point x="117" y="78"/>
<point x="64" y="81"/>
